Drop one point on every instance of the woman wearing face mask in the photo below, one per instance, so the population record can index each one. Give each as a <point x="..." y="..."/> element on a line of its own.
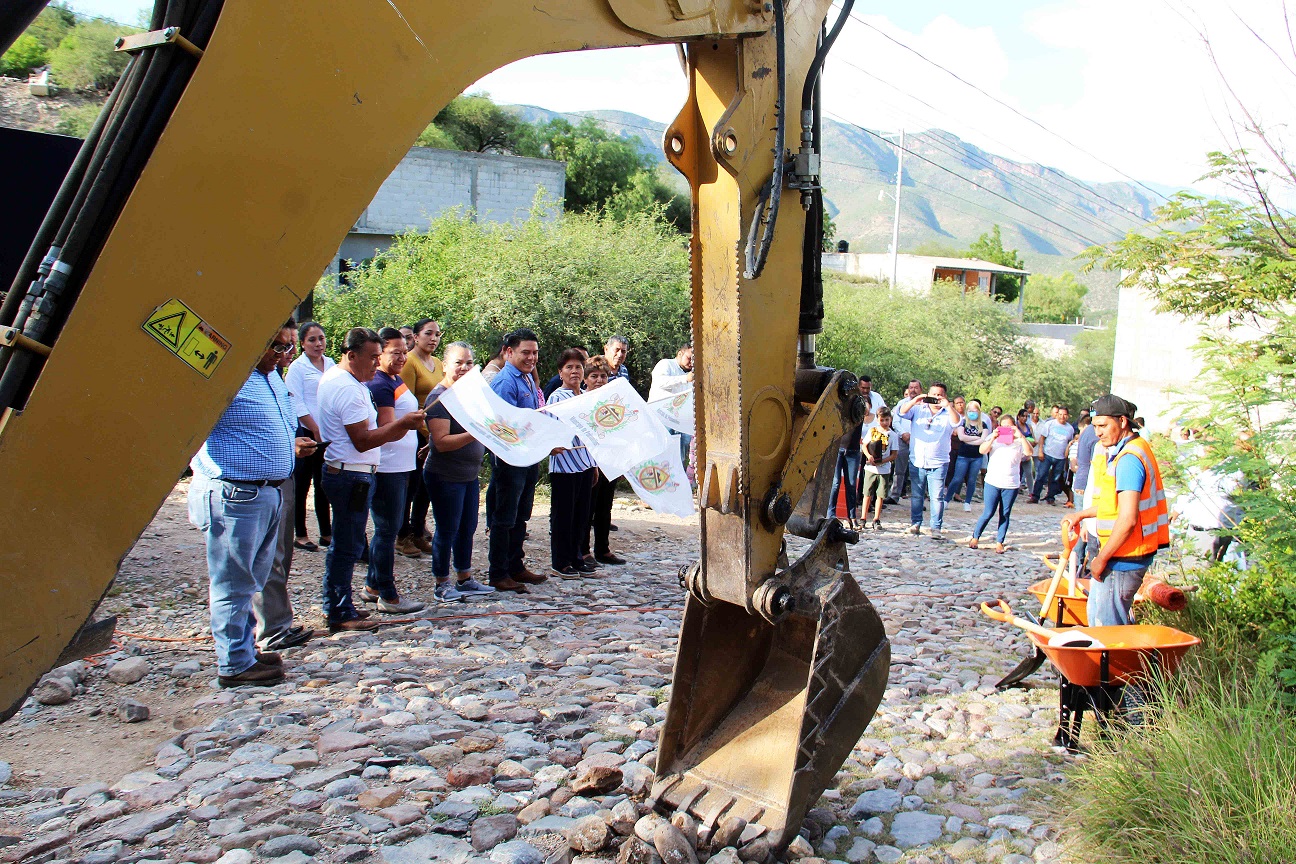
<point x="303" y="379"/>
<point x="1007" y="448"/>
<point x="967" y="463"/>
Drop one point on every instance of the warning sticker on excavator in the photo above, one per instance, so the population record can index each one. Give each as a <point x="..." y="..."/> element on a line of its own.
<point x="179" y="330"/>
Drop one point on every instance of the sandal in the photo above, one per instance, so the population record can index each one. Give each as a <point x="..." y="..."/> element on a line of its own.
<point x="1000" y="548"/>
<point x="973" y="542"/>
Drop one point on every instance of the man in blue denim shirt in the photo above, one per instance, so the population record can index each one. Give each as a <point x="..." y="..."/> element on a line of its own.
<point x="234" y="500"/>
<point x="512" y="489"/>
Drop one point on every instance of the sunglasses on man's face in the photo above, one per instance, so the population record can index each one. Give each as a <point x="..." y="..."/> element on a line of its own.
<point x="281" y="347"/>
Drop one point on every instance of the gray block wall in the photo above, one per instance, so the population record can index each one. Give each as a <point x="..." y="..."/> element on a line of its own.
<point x="429" y="182"/>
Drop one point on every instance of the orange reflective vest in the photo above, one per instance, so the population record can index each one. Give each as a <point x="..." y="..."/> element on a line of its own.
<point x="1153" y="529"/>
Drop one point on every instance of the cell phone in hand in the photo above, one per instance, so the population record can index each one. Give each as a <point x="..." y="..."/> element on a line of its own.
<point x="1005" y="434"/>
<point x="321" y="445"/>
<point x="931" y="400"/>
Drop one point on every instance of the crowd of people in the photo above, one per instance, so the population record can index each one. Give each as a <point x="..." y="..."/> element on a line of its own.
<point x="369" y="432"/>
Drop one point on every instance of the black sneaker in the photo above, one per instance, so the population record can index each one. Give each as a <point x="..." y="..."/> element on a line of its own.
<point x="257" y="675"/>
<point x="610" y="558"/>
<point x="568" y="572"/>
<point x="877" y="525"/>
<point x="587" y="567"/>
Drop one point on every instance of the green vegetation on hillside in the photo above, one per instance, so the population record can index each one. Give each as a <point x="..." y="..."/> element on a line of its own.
<point x="79" y="50"/>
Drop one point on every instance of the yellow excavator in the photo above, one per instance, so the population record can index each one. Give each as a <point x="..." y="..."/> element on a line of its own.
<point x="242" y="142"/>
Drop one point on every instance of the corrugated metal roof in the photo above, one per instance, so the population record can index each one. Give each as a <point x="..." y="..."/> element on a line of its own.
<point x="966" y="264"/>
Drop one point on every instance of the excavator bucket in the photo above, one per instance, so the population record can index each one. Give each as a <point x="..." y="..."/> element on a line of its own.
<point x="763" y="714"/>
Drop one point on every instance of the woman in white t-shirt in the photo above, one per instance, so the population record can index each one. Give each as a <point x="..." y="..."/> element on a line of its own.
<point x="303" y="379"/>
<point x="1007" y="449"/>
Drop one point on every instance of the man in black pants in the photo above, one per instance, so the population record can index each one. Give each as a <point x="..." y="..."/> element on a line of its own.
<point x="512" y="489"/>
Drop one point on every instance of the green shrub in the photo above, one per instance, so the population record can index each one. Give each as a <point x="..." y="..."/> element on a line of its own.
<point x="1211" y="779"/>
<point x="77" y="121"/>
<point x="575" y="281"/>
<point x="25" y="54"/>
<point x="86" y="58"/>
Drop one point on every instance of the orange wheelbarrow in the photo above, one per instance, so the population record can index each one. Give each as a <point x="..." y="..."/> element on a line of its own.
<point x="1097" y="663"/>
<point x="1063" y="602"/>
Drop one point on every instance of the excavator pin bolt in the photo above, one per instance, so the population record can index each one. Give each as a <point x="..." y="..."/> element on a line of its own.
<point x="779" y="509"/>
<point x="839" y="533"/>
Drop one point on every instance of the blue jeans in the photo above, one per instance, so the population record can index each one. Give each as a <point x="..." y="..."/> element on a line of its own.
<point x="1110" y="600"/>
<point x="967" y="470"/>
<point x="996" y="499"/>
<point x="510" y="496"/>
<point x="388" y="508"/>
<point x="848" y="466"/>
<point x="349" y="494"/>
<point x="240" y="523"/>
<point x="454" y="507"/>
<point x="928" y="481"/>
<point x="1050" y="471"/>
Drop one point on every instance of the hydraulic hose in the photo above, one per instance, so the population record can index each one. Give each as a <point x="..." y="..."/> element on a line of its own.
<point x="766" y="215"/>
<point x="106" y="171"/>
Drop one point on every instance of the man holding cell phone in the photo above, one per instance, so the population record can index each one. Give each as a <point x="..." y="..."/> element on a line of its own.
<point x="932" y="419"/>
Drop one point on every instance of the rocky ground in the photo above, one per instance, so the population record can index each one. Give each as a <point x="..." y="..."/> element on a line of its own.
<point x="517" y="728"/>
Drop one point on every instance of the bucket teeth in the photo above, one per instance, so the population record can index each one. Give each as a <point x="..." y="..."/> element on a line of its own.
<point x="762" y="715"/>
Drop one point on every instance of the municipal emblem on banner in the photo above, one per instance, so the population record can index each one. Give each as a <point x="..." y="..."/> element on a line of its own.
<point x="655" y="477"/>
<point x="608" y="417"/>
<point x="679" y="400"/>
<point x="507" y="434"/>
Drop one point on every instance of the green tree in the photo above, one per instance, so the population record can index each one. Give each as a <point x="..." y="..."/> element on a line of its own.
<point x="599" y="164"/>
<point x="53" y="23"/>
<point x="647" y="192"/>
<point x="473" y="122"/>
<point x="575" y="281"/>
<point x="85" y="58"/>
<point x="1054" y="299"/>
<point x="77" y="121"/>
<point x="25" y="54"/>
<point x="989" y="247"/>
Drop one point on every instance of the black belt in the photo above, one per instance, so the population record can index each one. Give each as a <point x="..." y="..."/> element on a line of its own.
<point x="272" y="483"/>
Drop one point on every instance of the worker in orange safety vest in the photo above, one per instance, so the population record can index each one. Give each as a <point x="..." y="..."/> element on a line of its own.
<point x="1129" y="510"/>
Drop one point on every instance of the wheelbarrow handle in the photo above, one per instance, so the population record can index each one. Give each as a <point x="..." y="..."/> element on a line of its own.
<point x="1005" y="614"/>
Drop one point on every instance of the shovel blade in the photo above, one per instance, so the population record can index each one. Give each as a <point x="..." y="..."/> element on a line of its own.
<point x="762" y="715"/>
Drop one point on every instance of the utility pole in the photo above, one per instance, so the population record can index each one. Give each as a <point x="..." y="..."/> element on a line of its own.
<point x="895" y="221"/>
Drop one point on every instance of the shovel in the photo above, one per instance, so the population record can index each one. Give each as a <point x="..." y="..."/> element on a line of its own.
<point x="1069" y="539"/>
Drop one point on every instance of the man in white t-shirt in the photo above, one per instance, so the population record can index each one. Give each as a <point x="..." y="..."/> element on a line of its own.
<point x="933" y="419"/>
<point x="348" y="422"/>
<point x="1056" y="434"/>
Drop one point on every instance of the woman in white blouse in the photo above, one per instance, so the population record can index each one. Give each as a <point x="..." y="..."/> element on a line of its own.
<point x="303" y="383"/>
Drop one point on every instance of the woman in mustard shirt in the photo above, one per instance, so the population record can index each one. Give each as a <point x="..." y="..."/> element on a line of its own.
<point x="423" y="371"/>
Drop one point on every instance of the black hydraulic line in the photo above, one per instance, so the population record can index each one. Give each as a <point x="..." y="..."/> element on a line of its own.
<point x="145" y="102"/>
<point x="56" y="213"/>
<point x="812" y="308"/>
<point x="825" y="45"/>
<point x="15" y="17"/>
<point x="766" y="216"/>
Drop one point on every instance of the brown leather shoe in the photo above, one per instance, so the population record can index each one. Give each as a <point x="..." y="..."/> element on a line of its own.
<point x="362" y="614"/>
<point x="507" y="584"/>
<point x="423" y="543"/>
<point x="529" y="578"/>
<point x="269" y="658"/>
<point x="355" y="625"/>
<point x="257" y="675"/>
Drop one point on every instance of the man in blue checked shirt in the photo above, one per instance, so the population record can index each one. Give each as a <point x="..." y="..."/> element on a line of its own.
<point x="512" y="489"/>
<point x="234" y="500"/>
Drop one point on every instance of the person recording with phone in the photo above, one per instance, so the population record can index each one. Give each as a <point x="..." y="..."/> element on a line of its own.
<point x="932" y="421"/>
<point x="1007" y="448"/>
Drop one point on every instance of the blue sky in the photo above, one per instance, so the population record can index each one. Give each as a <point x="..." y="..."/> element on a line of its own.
<point x="1097" y="73"/>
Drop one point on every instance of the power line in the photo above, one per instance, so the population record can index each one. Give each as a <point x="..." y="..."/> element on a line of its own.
<point x="1084" y="188"/>
<point x="972" y="182"/>
<point x="999" y="101"/>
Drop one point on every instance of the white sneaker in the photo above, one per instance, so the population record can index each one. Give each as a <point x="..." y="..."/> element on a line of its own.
<point x="967" y="508"/>
<point x="446" y="593"/>
<point x="914" y="530"/>
<point x="399" y="606"/>
<point x="936" y="534"/>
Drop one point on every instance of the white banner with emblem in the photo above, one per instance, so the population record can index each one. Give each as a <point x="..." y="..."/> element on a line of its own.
<point x="519" y="436"/>
<point x="676" y="411"/>
<point x="616" y="425"/>
<point x="662" y="483"/>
